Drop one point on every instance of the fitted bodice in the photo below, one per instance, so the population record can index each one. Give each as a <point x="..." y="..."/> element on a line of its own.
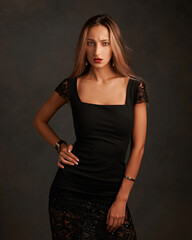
<point x="103" y="133"/>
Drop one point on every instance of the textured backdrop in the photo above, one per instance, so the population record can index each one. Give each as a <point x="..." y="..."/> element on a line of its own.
<point x="37" y="42"/>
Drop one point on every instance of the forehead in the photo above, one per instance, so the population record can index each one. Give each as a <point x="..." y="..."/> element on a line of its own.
<point x="99" y="32"/>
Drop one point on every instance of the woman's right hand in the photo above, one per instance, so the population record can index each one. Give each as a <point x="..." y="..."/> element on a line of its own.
<point x="65" y="156"/>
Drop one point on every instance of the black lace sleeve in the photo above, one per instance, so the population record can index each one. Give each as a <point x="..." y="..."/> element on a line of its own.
<point x="141" y="93"/>
<point x="63" y="89"/>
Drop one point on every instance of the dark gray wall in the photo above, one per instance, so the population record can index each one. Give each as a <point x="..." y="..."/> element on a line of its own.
<point x="37" y="45"/>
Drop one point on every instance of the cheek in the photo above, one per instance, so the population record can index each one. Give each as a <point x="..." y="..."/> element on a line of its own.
<point x="108" y="53"/>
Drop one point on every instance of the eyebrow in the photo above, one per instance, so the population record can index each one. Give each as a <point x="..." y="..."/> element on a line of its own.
<point x="100" y="40"/>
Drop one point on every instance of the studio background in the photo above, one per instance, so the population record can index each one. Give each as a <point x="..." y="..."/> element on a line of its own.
<point x="37" y="45"/>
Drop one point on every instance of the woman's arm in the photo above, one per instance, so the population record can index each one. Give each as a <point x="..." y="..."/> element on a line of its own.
<point x="137" y="149"/>
<point x="41" y="120"/>
<point x="45" y="113"/>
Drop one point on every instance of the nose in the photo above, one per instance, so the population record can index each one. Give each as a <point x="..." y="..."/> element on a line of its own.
<point x="97" y="50"/>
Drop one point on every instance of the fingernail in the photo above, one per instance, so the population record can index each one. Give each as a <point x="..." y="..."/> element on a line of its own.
<point x="77" y="159"/>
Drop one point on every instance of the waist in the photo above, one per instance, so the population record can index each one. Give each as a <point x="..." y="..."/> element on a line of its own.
<point x="93" y="152"/>
<point x="99" y="173"/>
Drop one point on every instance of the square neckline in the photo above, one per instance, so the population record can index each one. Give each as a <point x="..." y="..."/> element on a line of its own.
<point x="103" y="105"/>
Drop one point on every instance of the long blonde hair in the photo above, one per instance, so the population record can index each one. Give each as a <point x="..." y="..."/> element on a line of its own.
<point x="120" y="51"/>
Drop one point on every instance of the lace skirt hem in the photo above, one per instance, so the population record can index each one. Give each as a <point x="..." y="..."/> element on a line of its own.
<point x="82" y="219"/>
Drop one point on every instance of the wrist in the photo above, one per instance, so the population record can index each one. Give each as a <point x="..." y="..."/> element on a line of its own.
<point x="122" y="198"/>
<point x="58" y="145"/>
<point x="63" y="145"/>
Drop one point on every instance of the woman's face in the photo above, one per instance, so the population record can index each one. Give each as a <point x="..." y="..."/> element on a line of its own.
<point x="98" y="46"/>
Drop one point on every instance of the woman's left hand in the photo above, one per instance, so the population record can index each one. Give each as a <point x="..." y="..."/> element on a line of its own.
<point x="116" y="215"/>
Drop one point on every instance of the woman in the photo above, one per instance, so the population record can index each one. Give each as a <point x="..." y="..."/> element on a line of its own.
<point x="89" y="194"/>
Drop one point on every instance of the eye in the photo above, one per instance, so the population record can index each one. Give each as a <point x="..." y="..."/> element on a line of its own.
<point x="89" y="42"/>
<point x="107" y="43"/>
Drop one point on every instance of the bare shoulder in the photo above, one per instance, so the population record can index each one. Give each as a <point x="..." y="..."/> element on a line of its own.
<point x="83" y="77"/>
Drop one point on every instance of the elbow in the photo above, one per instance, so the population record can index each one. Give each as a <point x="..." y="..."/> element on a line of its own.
<point x="35" y="122"/>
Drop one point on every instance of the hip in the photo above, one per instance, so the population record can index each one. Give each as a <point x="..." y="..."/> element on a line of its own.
<point x="80" y="183"/>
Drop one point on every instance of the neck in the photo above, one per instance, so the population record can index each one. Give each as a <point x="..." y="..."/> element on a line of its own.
<point x="101" y="74"/>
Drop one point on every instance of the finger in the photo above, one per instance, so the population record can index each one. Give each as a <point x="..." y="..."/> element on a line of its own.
<point x="114" y="225"/>
<point x="108" y="217"/>
<point x="122" y="221"/>
<point x="109" y="227"/>
<point x="65" y="153"/>
<point x="60" y="165"/>
<point x="119" y="222"/>
<point x="63" y="160"/>
<point x="66" y="157"/>
<point x="72" y="156"/>
<point x="70" y="147"/>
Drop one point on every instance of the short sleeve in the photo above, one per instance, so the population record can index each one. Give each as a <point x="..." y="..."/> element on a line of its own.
<point x="141" y="93"/>
<point x="63" y="89"/>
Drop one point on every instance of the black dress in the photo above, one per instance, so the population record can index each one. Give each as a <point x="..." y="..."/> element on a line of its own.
<point x="81" y="195"/>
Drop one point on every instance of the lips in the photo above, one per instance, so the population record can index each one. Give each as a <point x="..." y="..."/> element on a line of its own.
<point x="97" y="60"/>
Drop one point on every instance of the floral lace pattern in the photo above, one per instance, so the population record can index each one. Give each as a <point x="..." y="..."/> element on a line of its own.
<point x="63" y="90"/>
<point x="141" y="94"/>
<point x="81" y="219"/>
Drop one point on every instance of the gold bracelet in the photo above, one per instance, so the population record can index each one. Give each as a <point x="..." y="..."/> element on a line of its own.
<point x="129" y="178"/>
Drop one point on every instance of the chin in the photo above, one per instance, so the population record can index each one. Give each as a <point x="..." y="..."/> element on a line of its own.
<point x="99" y="65"/>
